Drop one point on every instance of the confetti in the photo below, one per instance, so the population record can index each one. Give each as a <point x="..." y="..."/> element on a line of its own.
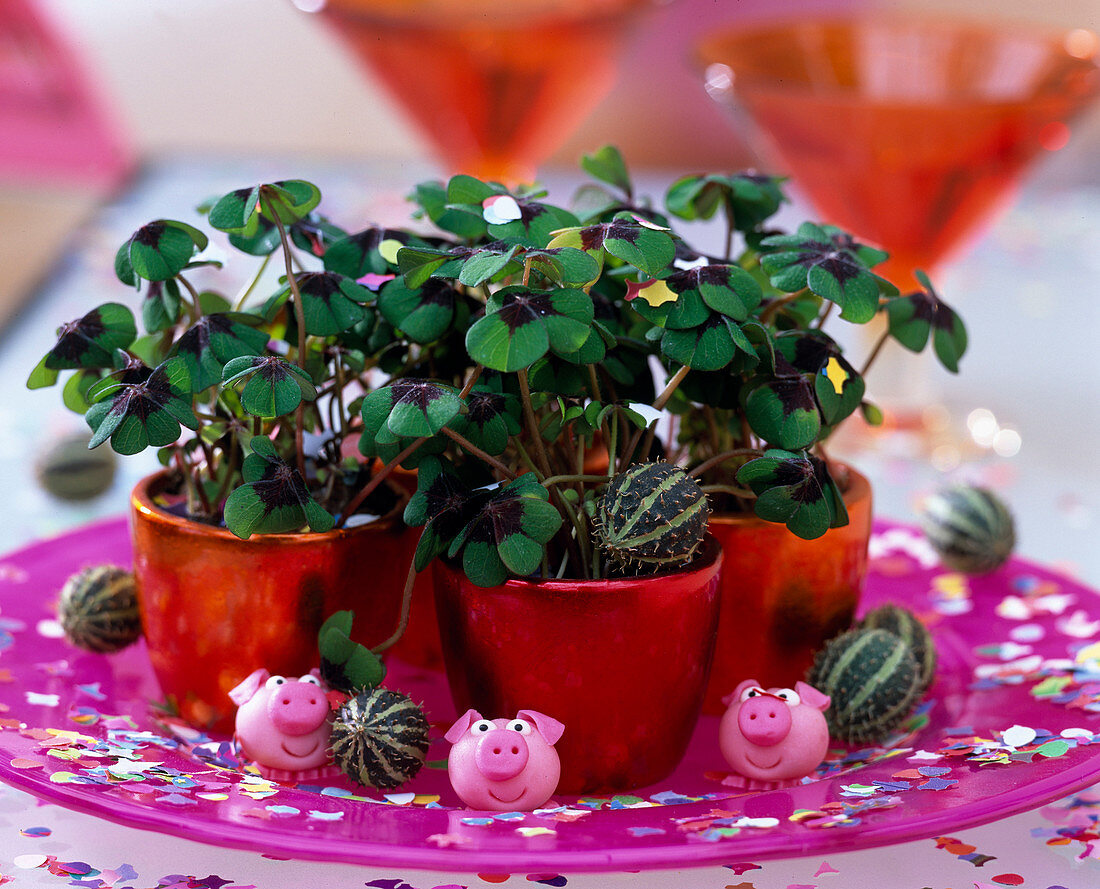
<point x="535" y="832"/>
<point x="36" y="831"/>
<point x="1018" y="736"/>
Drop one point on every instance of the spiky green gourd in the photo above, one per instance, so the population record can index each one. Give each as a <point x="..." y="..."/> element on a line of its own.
<point x="379" y="738"/>
<point x="904" y="624"/>
<point x="873" y="680"/>
<point x="653" y="515"/>
<point x="970" y="528"/>
<point x="69" y="471"/>
<point x="98" y="609"/>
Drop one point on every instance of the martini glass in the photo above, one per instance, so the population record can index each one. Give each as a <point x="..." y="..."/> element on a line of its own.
<point x="908" y="131"/>
<point x="495" y="85"/>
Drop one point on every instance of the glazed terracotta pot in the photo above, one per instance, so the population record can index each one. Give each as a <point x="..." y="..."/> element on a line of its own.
<point x="622" y="663"/>
<point x="215" y="607"/>
<point x="783" y="596"/>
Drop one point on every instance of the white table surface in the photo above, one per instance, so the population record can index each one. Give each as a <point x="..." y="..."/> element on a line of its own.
<point x="1030" y="295"/>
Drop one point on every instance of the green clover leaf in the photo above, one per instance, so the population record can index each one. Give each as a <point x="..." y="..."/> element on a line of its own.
<point x="274" y="498"/>
<point x="423" y="313"/>
<point x="912" y="318"/>
<point x="827" y="261"/>
<point x="796" y="490"/>
<point x="347" y="665"/>
<point x="521" y="325"/>
<point x="508" y="534"/>
<point x="216" y="339"/>
<point x="158" y="251"/>
<point x="411" y="408"/>
<point x="87" y="342"/>
<point x="135" y="415"/>
<point x="274" y="388"/>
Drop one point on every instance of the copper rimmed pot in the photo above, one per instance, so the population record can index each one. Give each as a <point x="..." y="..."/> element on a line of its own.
<point x="622" y="663"/>
<point x="215" y="607"/>
<point x="782" y="596"/>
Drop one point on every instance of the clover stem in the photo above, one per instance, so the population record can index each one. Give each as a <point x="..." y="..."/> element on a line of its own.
<point x="376" y="480"/>
<point x="772" y="308"/>
<point x="578" y="545"/>
<point x="300" y="318"/>
<point x="403" y="615"/>
<point x="231" y="471"/>
<point x="594" y="382"/>
<point x="246" y="291"/>
<point x="196" y="308"/>
<point x="571" y="479"/>
<point x="526" y="460"/>
<point x="659" y="404"/>
<point x="532" y="423"/>
<point x="874" y="352"/>
<point x="730" y="227"/>
<point x="722" y="458"/>
<point x="468" y="445"/>
<point x="728" y="489"/>
<point x="613" y="442"/>
<point x="824" y="316"/>
<point x="338" y="396"/>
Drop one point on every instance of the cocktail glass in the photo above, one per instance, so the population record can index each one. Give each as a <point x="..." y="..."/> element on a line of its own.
<point x="495" y="85"/>
<point x="908" y="131"/>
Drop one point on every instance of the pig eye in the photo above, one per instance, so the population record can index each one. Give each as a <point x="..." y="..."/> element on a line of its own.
<point x="482" y="726"/>
<point x="753" y="692"/>
<point x="274" y="682"/>
<point x="521" y="726"/>
<point x="311" y="679"/>
<point x="791" y="697"/>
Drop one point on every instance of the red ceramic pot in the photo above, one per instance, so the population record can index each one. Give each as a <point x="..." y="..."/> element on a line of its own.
<point x="622" y="663"/>
<point x="215" y="607"/>
<point x="782" y="596"/>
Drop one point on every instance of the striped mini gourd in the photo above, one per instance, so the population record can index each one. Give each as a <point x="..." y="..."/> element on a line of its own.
<point x="873" y="680"/>
<point x="98" y="609"/>
<point x="379" y="738"/>
<point x="904" y="624"/>
<point x="652" y="514"/>
<point x="970" y="528"/>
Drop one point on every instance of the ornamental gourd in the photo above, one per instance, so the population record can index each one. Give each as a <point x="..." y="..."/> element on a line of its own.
<point x="970" y="528"/>
<point x="98" y="609"/>
<point x="904" y="624"/>
<point x="379" y="738"/>
<point x="873" y="681"/>
<point x="654" y="515"/>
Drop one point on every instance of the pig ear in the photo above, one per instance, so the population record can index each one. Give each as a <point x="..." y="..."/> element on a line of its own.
<point x="462" y="725"/>
<point x="548" y="727"/>
<point x="812" y="696"/>
<point x="243" y="693"/>
<point x="735" y="696"/>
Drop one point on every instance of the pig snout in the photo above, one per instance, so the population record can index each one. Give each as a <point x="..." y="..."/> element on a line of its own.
<point x="764" y="720"/>
<point x="501" y="754"/>
<point x="297" y="708"/>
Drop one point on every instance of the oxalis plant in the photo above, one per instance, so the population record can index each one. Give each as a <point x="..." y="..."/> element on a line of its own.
<point x="267" y="381"/>
<point x="553" y="321"/>
<point x="525" y="353"/>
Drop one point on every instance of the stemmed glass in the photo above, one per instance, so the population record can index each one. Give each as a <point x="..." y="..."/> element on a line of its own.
<point x="909" y="131"/>
<point x="496" y="85"/>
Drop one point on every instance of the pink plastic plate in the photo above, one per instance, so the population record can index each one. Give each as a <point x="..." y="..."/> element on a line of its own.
<point x="1009" y="725"/>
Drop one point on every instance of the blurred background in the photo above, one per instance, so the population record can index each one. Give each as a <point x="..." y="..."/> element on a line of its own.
<point x="133" y="104"/>
<point x="262" y="75"/>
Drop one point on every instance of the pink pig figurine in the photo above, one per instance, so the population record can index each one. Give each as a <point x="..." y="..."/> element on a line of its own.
<point x="283" y="725"/>
<point x="773" y="737"/>
<point x="504" y="765"/>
